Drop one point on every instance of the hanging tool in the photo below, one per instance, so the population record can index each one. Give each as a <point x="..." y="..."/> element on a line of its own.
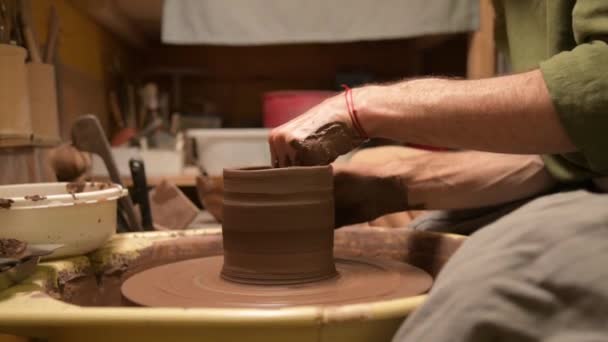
<point x="5" y="22"/>
<point x="88" y="136"/>
<point x="24" y="34"/>
<point x="147" y="131"/>
<point x="17" y="24"/>
<point x="140" y="192"/>
<point x="51" y="41"/>
<point x="32" y="45"/>
<point x="115" y="110"/>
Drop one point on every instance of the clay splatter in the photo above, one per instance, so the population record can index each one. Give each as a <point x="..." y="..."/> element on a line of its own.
<point x="103" y="185"/>
<point x="11" y="248"/>
<point x="35" y="198"/>
<point x="75" y="187"/>
<point x="6" y="203"/>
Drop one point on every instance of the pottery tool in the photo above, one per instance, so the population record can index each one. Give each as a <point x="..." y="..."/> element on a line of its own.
<point x="4" y="23"/>
<point x="28" y="251"/>
<point x="131" y="106"/>
<point x="210" y="192"/>
<point x="15" y="36"/>
<point x="115" y="109"/>
<point x="171" y="209"/>
<point x="51" y="41"/>
<point x="143" y="109"/>
<point x="14" y="270"/>
<point x="23" y="32"/>
<point x="146" y="131"/>
<point x="152" y="104"/>
<point x="140" y="192"/>
<point x="32" y="45"/>
<point x="87" y="135"/>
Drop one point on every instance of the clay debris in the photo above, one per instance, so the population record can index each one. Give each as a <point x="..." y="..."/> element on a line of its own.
<point x="6" y="203"/>
<point x="12" y="248"/>
<point x="75" y="187"/>
<point x="35" y="198"/>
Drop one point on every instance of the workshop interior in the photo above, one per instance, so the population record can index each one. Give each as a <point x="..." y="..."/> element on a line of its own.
<point x="205" y="170"/>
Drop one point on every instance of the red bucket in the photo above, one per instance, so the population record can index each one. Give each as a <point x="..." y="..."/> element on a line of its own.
<point x="282" y="106"/>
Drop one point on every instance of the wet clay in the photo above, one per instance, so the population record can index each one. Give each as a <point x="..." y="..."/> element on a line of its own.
<point x="278" y="235"/>
<point x="325" y="144"/>
<point x="196" y="283"/>
<point x="278" y="225"/>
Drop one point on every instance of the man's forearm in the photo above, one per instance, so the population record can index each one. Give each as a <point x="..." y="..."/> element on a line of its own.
<point x="471" y="179"/>
<point x="510" y="114"/>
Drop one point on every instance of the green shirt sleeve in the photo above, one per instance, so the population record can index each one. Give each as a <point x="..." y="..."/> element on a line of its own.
<point x="578" y="85"/>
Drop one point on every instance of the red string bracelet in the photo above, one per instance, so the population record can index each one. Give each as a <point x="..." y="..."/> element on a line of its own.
<point x="352" y="112"/>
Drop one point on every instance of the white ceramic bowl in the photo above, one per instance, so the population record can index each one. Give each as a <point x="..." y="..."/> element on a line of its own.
<point x="47" y="213"/>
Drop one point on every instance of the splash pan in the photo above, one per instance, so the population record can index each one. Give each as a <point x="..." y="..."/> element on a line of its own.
<point x="79" y="298"/>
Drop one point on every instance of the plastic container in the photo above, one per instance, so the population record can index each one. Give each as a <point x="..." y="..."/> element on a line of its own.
<point x="230" y="148"/>
<point x="43" y="103"/>
<point x="47" y="213"/>
<point x="15" y="121"/>
<point x="282" y="106"/>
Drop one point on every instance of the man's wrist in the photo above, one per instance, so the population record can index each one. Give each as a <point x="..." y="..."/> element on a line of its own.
<point x="368" y="105"/>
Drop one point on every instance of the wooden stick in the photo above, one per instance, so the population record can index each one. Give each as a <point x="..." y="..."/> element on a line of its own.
<point x="32" y="46"/>
<point x="115" y="109"/>
<point x="5" y="23"/>
<point x="30" y="40"/>
<point x="51" y="42"/>
<point x="131" y="106"/>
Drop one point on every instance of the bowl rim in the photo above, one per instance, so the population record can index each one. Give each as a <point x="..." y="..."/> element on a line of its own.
<point x="107" y="192"/>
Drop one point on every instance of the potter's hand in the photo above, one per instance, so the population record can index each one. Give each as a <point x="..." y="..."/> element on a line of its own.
<point x="316" y="137"/>
<point x="362" y="194"/>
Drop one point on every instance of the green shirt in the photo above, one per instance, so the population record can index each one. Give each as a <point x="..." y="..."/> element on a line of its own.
<point x="566" y="39"/>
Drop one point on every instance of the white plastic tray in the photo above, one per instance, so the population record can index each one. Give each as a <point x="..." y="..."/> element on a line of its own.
<point x="227" y="148"/>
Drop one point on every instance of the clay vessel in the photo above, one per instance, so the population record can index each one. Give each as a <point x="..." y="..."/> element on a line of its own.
<point x="278" y="225"/>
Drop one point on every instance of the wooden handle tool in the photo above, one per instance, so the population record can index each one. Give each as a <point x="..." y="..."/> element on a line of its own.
<point x="87" y="135"/>
<point x="115" y="109"/>
<point x="51" y="41"/>
<point x="32" y="45"/>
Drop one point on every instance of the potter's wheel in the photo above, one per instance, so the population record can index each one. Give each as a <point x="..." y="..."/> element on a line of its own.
<point x="197" y="283"/>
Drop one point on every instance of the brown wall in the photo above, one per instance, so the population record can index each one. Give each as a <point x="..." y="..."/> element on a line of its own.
<point x="236" y="77"/>
<point x="86" y="53"/>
